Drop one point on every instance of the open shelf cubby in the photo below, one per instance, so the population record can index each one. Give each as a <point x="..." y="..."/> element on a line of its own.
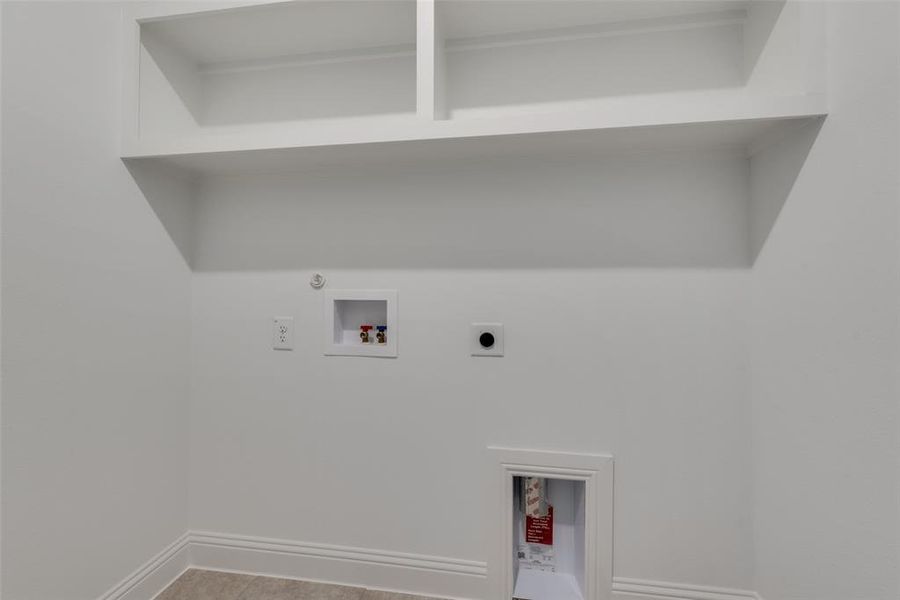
<point x="507" y="56"/>
<point x="502" y="52"/>
<point x="229" y="79"/>
<point x="274" y="63"/>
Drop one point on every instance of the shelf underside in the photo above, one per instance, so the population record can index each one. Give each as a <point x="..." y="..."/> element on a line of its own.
<point x="552" y="146"/>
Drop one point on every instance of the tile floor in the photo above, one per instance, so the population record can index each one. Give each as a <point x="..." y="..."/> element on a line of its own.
<point x="196" y="584"/>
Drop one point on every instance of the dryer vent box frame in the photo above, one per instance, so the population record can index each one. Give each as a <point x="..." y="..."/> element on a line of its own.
<point x="346" y="311"/>
<point x="581" y="492"/>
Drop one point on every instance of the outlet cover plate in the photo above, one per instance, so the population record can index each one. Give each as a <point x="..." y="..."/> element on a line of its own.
<point x="283" y="333"/>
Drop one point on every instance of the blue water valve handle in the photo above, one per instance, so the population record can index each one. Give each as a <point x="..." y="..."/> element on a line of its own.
<point x="381" y="328"/>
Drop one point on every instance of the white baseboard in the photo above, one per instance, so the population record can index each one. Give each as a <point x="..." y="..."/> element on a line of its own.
<point x="155" y="575"/>
<point x="394" y="571"/>
<point x="420" y="574"/>
<point x="642" y="589"/>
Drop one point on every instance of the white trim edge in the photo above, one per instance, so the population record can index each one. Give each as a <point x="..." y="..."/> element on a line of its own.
<point x="347" y="553"/>
<point x="154" y="575"/>
<point x="419" y="574"/>
<point x="635" y="589"/>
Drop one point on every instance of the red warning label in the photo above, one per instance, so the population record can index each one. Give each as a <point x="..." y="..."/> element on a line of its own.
<point x="539" y="530"/>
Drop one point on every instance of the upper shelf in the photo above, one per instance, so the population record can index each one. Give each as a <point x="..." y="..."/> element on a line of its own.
<point x="552" y="146"/>
<point x="237" y="78"/>
<point x="283" y="62"/>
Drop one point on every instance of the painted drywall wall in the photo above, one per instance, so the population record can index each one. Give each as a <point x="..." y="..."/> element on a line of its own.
<point x="95" y="320"/>
<point x="664" y="210"/>
<point x="601" y="356"/>
<point x="650" y="364"/>
<point x="1" y="300"/>
<point x="825" y="338"/>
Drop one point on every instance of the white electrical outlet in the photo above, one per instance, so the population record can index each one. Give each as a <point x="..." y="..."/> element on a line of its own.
<point x="283" y="333"/>
<point x="486" y="339"/>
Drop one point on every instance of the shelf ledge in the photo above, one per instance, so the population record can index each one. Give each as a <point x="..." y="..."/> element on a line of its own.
<point x="623" y="128"/>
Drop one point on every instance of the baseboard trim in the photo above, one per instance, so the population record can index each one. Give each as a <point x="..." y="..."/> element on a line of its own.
<point x="154" y="575"/>
<point x="435" y="576"/>
<point x="347" y="553"/>
<point x="642" y="589"/>
<point x="420" y="574"/>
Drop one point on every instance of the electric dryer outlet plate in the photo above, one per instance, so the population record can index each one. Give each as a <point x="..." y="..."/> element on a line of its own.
<point x="486" y="339"/>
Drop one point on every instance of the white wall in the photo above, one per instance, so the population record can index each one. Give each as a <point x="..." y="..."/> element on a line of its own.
<point x="825" y="339"/>
<point x="670" y="209"/>
<point x="627" y="332"/>
<point x="95" y="321"/>
<point x="601" y="356"/>
<point x="1" y="300"/>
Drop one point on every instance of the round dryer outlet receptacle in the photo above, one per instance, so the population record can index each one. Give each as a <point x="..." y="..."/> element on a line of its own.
<point x="486" y="339"/>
